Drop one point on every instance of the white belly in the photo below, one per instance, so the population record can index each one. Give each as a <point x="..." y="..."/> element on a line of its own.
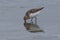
<point x="34" y="14"/>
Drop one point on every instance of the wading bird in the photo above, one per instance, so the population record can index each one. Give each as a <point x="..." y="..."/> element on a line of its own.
<point x="32" y="13"/>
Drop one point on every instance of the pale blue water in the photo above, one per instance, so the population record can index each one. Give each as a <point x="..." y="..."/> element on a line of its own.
<point x="11" y="19"/>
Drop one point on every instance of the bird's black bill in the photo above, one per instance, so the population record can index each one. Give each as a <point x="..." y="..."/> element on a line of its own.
<point x="41" y="8"/>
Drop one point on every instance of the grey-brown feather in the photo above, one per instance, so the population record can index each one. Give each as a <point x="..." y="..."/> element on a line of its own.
<point x="33" y="10"/>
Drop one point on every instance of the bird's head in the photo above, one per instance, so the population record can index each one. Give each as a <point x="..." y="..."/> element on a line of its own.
<point x="26" y="17"/>
<point x="36" y="9"/>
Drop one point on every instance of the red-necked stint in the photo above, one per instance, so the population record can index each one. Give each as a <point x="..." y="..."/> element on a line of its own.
<point x="32" y="13"/>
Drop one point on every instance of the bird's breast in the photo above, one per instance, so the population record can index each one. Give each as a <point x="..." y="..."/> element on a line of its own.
<point x="34" y="14"/>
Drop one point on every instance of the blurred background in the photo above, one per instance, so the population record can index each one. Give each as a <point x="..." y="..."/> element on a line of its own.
<point x="12" y="23"/>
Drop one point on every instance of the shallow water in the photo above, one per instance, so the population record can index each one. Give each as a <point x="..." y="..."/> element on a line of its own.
<point x="12" y="24"/>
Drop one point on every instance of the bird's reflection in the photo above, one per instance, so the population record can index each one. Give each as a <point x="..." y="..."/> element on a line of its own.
<point x="31" y="27"/>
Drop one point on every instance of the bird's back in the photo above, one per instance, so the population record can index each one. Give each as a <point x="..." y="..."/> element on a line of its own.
<point x="33" y="12"/>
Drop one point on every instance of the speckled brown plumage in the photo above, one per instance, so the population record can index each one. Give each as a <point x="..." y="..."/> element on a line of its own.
<point x="31" y="11"/>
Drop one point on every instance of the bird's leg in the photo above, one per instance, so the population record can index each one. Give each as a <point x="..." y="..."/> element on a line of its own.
<point x="31" y="20"/>
<point x="25" y="21"/>
<point x="35" y="20"/>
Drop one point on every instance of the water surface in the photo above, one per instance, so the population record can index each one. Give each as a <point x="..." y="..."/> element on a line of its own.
<point x="12" y="24"/>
